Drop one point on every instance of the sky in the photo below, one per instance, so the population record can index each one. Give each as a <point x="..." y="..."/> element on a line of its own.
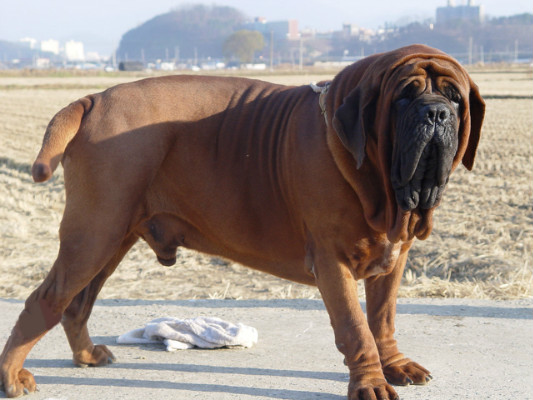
<point x="101" y="23"/>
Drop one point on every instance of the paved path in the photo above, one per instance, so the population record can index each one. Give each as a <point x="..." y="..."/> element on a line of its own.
<point x="474" y="349"/>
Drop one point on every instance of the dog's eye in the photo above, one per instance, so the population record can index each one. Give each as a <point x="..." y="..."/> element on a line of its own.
<point x="407" y="95"/>
<point x="409" y="92"/>
<point x="452" y="94"/>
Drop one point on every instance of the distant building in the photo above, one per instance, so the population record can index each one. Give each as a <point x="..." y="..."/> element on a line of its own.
<point x="131" y="66"/>
<point x="351" y="30"/>
<point x="280" y="29"/>
<point x="42" y="63"/>
<point x="29" y="42"/>
<point x="74" y="51"/>
<point x="93" y="56"/>
<point x="50" y="46"/>
<point x="464" y="13"/>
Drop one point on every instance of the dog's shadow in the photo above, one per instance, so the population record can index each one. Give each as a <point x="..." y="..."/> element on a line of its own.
<point x="138" y="369"/>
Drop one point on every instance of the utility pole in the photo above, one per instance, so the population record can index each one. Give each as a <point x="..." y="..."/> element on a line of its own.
<point x="470" y="44"/>
<point x="271" y="51"/>
<point x="301" y="63"/>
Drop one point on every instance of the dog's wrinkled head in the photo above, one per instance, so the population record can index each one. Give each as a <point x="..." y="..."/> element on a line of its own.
<point x="417" y="114"/>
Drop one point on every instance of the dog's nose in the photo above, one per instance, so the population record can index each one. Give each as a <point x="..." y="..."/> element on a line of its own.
<point x="436" y="114"/>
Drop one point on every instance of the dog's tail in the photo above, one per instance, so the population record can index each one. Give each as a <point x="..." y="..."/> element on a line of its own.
<point x="60" y="131"/>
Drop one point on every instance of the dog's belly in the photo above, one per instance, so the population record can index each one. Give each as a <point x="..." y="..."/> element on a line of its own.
<point x="285" y="264"/>
<point x="217" y="220"/>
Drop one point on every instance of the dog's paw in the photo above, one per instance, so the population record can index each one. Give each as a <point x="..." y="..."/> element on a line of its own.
<point x="99" y="355"/>
<point x="406" y="372"/>
<point x="374" y="390"/>
<point x="24" y="383"/>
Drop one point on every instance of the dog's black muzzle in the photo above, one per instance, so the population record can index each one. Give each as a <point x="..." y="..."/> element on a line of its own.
<point x="425" y="146"/>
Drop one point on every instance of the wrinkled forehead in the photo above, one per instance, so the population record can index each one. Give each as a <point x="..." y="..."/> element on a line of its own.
<point x="427" y="74"/>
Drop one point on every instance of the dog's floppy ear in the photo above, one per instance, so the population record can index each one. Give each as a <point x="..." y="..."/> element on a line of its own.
<point x="352" y="121"/>
<point x="477" y="113"/>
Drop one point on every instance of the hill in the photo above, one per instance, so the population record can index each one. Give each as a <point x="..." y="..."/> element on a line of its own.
<point x="190" y="32"/>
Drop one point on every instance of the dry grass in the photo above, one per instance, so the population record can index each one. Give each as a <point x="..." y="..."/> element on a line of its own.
<point x="481" y="246"/>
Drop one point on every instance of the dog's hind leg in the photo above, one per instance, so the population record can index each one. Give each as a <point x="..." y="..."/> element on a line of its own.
<point x="93" y="236"/>
<point x="75" y="317"/>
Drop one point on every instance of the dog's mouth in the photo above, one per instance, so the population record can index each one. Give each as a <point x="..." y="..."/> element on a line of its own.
<point x="425" y="146"/>
<point x="167" y="262"/>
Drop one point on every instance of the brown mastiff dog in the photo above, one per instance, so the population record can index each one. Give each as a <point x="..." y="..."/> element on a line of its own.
<point x="320" y="189"/>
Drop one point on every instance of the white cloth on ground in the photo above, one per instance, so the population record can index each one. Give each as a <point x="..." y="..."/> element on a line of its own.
<point x="203" y="332"/>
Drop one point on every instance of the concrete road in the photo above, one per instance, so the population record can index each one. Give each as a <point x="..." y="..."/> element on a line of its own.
<point x="474" y="350"/>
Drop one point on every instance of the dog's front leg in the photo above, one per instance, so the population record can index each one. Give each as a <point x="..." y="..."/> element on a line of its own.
<point x="352" y="334"/>
<point x="381" y="293"/>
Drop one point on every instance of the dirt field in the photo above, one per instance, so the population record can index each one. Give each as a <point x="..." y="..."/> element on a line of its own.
<point x="481" y="246"/>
